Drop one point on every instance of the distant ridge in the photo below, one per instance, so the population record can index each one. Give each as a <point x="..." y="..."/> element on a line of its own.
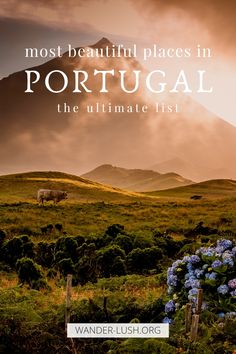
<point x="216" y="188"/>
<point x="137" y="180"/>
<point x="191" y="169"/>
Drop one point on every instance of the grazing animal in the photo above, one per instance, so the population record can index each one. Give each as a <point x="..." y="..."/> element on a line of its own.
<point x="49" y="194"/>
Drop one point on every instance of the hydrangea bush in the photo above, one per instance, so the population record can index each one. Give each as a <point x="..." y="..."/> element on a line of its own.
<point x="211" y="268"/>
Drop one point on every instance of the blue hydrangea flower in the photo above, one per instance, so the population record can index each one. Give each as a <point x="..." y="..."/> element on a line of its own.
<point x="211" y="276"/>
<point x="190" y="267"/>
<point x="194" y="283"/>
<point x="228" y="261"/>
<point x="205" y="266"/>
<point x="172" y="280"/>
<point x="204" y="306"/>
<point x="194" y="259"/>
<point x="223" y="289"/>
<point x="167" y="320"/>
<point x="187" y="284"/>
<point x="193" y="300"/>
<point x="221" y="315"/>
<point x="198" y="272"/>
<point x="193" y="292"/>
<point x="208" y="253"/>
<point x="193" y="270"/>
<point x="170" y="271"/>
<point x="216" y="264"/>
<point x="186" y="259"/>
<point x="177" y="263"/>
<point x="170" y="306"/>
<point x="202" y="250"/>
<point x="170" y="290"/>
<point x="219" y="250"/>
<point x="227" y="254"/>
<point x="225" y="244"/>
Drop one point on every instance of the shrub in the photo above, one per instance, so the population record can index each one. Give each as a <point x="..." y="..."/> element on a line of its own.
<point x="106" y="258"/>
<point x="134" y="260"/>
<point x="153" y="312"/>
<point x="66" y="266"/>
<point x="52" y="273"/>
<point x="143" y="241"/>
<point x="125" y="242"/>
<point x="68" y="246"/>
<point x="28" y="246"/>
<point x="173" y="246"/>
<point x="50" y="227"/>
<point x="86" y="270"/>
<point x="118" y="267"/>
<point x="45" y="253"/>
<point x="28" y="271"/>
<point x="114" y="230"/>
<point x="40" y="283"/>
<point x="80" y="240"/>
<point x="58" y="227"/>
<point x="205" y="239"/>
<point x="47" y="229"/>
<point x="86" y="267"/>
<point x="59" y="256"/>
<point x="157" y="346"/>
<point x="2" y="236"/>
<point x="12" y="250"/>
<point x="140" y="260"/>
<point x="162" y="243"/>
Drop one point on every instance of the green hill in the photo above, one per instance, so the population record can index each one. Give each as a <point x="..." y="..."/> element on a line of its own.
<point x="135" y="179"/>
<point x="84" y="211"/>
<point x="23" y="187"/>
<point x="217" y="188"/>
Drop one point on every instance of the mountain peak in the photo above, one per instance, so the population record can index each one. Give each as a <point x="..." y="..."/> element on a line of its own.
<point x="135" y="179"/>
<point x="104" y="42"/>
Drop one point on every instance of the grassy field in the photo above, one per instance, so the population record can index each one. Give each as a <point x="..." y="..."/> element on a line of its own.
<point x="91" y="207"/>
<point x="36" y="318"/>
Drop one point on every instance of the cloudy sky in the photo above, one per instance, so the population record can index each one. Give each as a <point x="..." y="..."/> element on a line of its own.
<point x="177" y="23"/>
<point x="34" y="137"/>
